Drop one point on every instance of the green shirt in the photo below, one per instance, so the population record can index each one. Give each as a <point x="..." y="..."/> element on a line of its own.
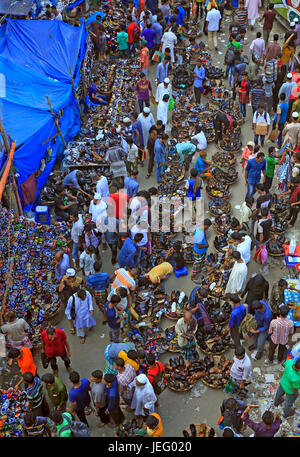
<point x="296" y="106"/>
<point x="236" y="44"/>
<point x="66" y="433"/>
<point x="290" y="378"/>
<point x="270" y="167"/>
<point x="122" y="39"/>
<point x="57" y="393"/>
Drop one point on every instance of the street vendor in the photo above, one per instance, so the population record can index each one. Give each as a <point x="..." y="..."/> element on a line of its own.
<point x="185" y="329"/>
<point x="62" y="263"/>
<point x="72" y="180"/>
<point x="62" y="210"/>
<point x="199" y="136"/>
<point x="202" y="165"/>
<point x="223" y="123"/>
<point x="185" y="150"/>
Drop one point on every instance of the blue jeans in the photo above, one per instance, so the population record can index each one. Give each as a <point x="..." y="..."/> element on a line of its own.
<point x="280" y="128"/>
<point x="75" y="251"/>
<point x="243" y="109"/>
<point x="131" y="50"/>
<point x="251" y="189"/>
<point x="262" y="139"/>
<point x="230" y="69"/>
<point x="159" y="171"/>
<point x="141" y="104"/>
<point x="259" y="340"/>
<point x="289" y="400"/>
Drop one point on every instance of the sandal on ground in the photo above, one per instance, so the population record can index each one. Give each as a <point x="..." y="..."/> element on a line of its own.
<point x="72" y="331"/>
<point x="82" y="340"/>
<point x="148" y="176"/>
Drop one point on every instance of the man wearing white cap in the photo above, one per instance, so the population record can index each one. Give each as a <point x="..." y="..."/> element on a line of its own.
<point x="97" y="208"/>
<point x="169" y="39"/>
<point x="147" y="120"/>
<point x="163" y="88"/>
<point x="287" y="87"/>
<point x="291" y="132"/>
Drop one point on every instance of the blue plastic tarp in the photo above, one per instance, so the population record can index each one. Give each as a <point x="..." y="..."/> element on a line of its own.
<point x="35" y="57"/>
<point x="93" y="17"/>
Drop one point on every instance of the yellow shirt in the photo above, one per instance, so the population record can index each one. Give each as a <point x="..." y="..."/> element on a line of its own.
<point x="160" y="271"/>
<point x="287" y="52"/>
<point x="159" y="431"/>
<point x="127" y="360"/>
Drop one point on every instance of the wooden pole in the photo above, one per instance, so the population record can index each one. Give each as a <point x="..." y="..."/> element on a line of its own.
<point x="56" y="122"/>
<point x="73" y="87"/>
<point x="5" y="140"/>
<point x="51" y="138"/>
<point x="7" y="169"/>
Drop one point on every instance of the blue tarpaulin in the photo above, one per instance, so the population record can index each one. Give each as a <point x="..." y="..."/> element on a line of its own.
<point x="35" y="57"/>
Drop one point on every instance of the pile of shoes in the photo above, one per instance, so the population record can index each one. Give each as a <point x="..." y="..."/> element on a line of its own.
<point x="199" y="431"/>
<point x="217" y="206"/>
<point x="176" y="304"/>
<point x="279" y="224"/>
<point x="275" y="247"/>
<point x="182" y="79"/>
<point x="222" y="224"/>
<point x="232" y="143"/>
<point x="172" y="339"/>
<point x="280" y="207"/>
<point x="218" y="373"/>
<point x="181" y="375"/>
<point x="217" y="189"/>
<point x="224" y="158"/>
<point x="13" y="406"/>
<point x="229" y="177"/>
<point x="213" y="72"/>
<point x="213" y="341"/>
<point x="130" y="428"/>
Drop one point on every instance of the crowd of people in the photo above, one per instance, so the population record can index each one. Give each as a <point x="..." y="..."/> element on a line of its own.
<point x="118" y="220"/>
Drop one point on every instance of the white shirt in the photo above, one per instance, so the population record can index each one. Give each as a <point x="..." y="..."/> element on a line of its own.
<point x="133" y="152"/>
<point x="77" y="229"/>
<point x="97" y="211"/>
<point x="257" y="117"/>
<point x="144" y="231"/>
<point x="237" y="278"/>
<point x="161" y="90"/>
<point x="169" y="39"/>
<point x="246" y="213"/>
<point x="241" y="369"/>
<point x="201" y="140"/>
<point x="102" y="187"/>
<point x="124" y="300"/>
<point x="244" y="249"/>
<point x="86" y="261"/>
<point x="213" y="18"/>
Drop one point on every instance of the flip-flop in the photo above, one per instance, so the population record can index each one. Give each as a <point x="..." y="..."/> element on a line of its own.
<point x="82" y="340"/>
<point x="72" y="331"/>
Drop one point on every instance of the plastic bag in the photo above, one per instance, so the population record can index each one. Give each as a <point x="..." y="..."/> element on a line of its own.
<point x="171" y="104"/>
<point x="261" y="255"/>
<point x="274" y="135"/>
<point x="156" y="56"/>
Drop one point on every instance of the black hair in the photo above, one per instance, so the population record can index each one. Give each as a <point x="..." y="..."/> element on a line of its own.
<point x="109" y="377"/>
<point x="264" y="212"/>
<point x="283" y="283"/>
<point x="48" y="378"/>
<point x="257" y="304"/>
<point x="115" y="299"/>
<point x="258" y="35"/>
<point x="81" y="294"/>
<point x="297" y="364"/>
<point x="132" y="354"/>
<point x="284" y="310"/>
<point x="227" y="433"/>
<point x="29" y="419"/>
<point x="13" y="353"/>
<point x="97" y="265"/>
<point x="152" y="422"/>
<point x="239" y="351"/>
<point x="203" y="292"/>
<point x="138" y="237"/>
<point x="260" y="186"/>
<point x="260" y="154"/>
<point x="56" y="416"/>
<point x="282" y="96"/>
<point x="140" y="354"/>
<point x="97" y="374"/>
<point x="268" y="416"/>
<point x="235" y="298"/>
<point x="207" y="222"/>
<point x="123" y="292"/>
<point x="74" y="377"/>
<point x="50" y="330"/>
<point x="236" y="255"/>
<point x="119" y="362"/>
<point x="230" y="404"/>
<point x="276" y="37"/>
<point x="150" y="358"/>
<point x="249" y="199"/>
<point x="28" y="377"/>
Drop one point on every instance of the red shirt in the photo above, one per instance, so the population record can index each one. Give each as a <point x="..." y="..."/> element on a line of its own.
<point x="120" y="203"/>
<point x="130" y="30"/>
<point x="152" y="372"/>
<point x="56" y="347"/>
<point x="269" y="19"/>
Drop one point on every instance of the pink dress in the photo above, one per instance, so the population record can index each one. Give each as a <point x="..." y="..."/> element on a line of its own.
<point x="246" y="155"/>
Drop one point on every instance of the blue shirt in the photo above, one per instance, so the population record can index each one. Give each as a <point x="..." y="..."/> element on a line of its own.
<point x="181" y="15"/>
<point x="158" y="29"/>
<point x="199" y="238"/>
<point x="62" y="267"/>
<point x="237" y="315"/>
<point x="149" y="35"/>
<point x="190" y="193"/>
<point x="80" y="395"/>
<point x="193" y="299"/>
<point x="129" y="254"/>
<point x="159" y="151"/>
<point x="254" y="170"/>
<point x="200" y="165"/>
<point x="239" y="69"/>
<point x="200" y="72"/>
<point x="112" y="317"/>
<point x="132" y="186"/>
<point x="137" y="126"/>
<point x="263" y="318"/>
<point x="71" y="179"/>
<point x="162" y="72"/>
<point x="98" y="281"/>
<point x="284" y="107"/>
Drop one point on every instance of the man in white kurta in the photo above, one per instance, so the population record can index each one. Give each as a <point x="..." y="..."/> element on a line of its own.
<point x="162" y="110"/>
<point x="252" y="8"/>
<point x="147" y="120"/>
<point x="238" y="275"/>
<point x="162" y="89"/>
<point x="169" y="39"/>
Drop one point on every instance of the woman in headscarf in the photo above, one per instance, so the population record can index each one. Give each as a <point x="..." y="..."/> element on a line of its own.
<point x="143" y="397"/>
<point x="257" y="288"/>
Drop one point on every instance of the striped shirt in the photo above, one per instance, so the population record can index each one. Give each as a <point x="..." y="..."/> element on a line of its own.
<point x="241" y="18"/>
<point x="123" y="279"/>
<point x="280" y="329"/>
<point x="35" y="393"/>
<point x="258" y="95"/>
<point x="124" y="379"/>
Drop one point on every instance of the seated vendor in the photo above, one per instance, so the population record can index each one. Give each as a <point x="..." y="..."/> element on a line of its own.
<point x="184" y="149"/>
<point x="157" y="275"/>
<point x="197" y="306"/>
<point x="73" y="180"/>
<point x="175" y="256"/>
<point x="95" y="96"/>
<point x="61" y="208"/>
<point x="202" y="165"/>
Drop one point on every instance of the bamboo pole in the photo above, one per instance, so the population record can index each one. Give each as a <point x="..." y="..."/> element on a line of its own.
<point x="56" y="122"/>
<point x="5" y="140"/>
<point x="51" y="138"/>
<point x="7" y="169"/>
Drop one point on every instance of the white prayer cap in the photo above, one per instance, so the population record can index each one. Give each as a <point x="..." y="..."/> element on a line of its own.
<point x="289" y="75"/>
<point x="295" y="115"/>
<point x="97" y="196"/>
<point x="166" y="80"/>
<point x="71" y="272"/>
<point x="146" y="110"/>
